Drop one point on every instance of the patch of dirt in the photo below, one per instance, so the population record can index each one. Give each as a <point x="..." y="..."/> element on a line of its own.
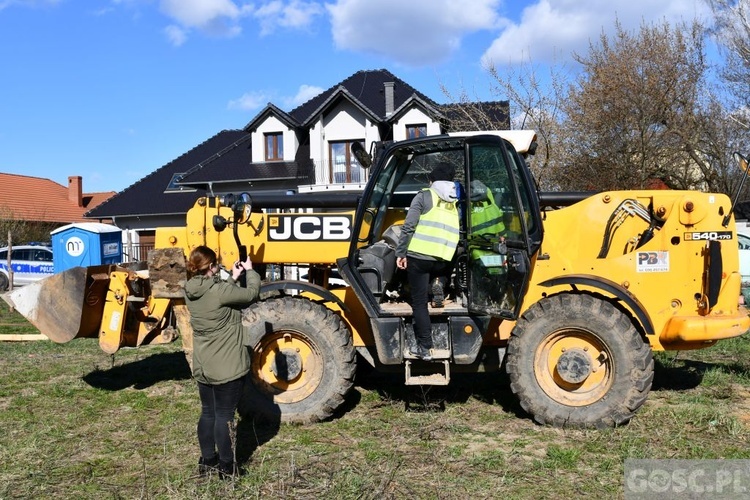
<point x="741" y="403"/>
<point x="165" y="389"/>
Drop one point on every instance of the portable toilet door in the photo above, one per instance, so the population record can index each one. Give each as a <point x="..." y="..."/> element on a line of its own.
<point x="86" y="244"/>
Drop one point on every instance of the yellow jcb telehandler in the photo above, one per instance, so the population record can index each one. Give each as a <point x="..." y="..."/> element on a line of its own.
<point x="570" y="294"/>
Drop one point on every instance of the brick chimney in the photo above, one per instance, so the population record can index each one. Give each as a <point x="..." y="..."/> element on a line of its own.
<point x="75" y="190"/>
<point x="389" y="99"/>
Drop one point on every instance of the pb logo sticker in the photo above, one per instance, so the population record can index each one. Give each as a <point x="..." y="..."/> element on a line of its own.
<point x="652" y="262"/>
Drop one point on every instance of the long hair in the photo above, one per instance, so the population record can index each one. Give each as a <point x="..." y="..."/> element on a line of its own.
<point x="200" y="261"/>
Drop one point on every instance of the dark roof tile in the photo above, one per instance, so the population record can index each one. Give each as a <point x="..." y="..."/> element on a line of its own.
<point x="367" y="87"/>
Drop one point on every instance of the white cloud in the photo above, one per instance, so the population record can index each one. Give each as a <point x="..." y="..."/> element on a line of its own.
<point x="293" y="15"/>
<point x="253" y="101"/>
<point x="304" y="94"/>
<point x="551" y="30"/>
<point x="176" y="35"/>
<point x="249" y="101"/>
<point x="215" y="17"/>
<point x="198" y="13"/>
<point x="414" y="32"/>
<point x="27" y="3"/>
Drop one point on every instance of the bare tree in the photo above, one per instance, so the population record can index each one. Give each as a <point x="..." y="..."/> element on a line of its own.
<point x="732" y="31"/>
<point x="23" y="231"/>
<point x="642" y="112"/>
<point x="635" y="111"/>
<point x="535" y="103"/>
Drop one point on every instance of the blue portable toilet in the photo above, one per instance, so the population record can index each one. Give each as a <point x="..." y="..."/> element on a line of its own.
<point x="86" y="244"/>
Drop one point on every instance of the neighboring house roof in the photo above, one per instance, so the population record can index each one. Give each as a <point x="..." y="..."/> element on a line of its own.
<point x="478" y="115"/>
<point x="364" y="87"/>
<point x="148" y="197"/>
<point x="43" y="200"/>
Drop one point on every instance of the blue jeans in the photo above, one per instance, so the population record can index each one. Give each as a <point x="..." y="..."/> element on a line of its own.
<point x="420" y="273"/>
<point x="218" y="405"/>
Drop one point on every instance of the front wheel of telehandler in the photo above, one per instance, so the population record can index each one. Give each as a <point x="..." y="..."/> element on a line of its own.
<point x="303" y="361"/>
<point x="574" y="360"/>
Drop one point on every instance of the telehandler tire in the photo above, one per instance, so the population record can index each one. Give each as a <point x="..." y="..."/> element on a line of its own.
<point x="303" y="361"/>
<point x="574" y="360"/>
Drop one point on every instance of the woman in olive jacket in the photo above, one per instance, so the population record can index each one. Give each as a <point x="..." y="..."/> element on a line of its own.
<point x="220" y="358"/>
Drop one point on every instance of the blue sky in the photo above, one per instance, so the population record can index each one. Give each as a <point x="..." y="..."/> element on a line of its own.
<point x="111" y="90"/>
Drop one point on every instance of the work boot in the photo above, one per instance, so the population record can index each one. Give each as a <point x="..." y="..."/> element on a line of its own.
<point x="419" y="352"/>
<point x="438" y="296"/>
<point x="208" y="466"/>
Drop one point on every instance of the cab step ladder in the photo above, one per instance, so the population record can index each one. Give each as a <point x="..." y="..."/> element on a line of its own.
<point x="438" y="373"/>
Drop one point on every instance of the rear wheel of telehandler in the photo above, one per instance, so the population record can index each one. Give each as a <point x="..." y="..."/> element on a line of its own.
<point x="303" y="361"/>
<point x="574" y="360"/>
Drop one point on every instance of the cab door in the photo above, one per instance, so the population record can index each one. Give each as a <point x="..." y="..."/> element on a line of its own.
<point x="497" y="226"/>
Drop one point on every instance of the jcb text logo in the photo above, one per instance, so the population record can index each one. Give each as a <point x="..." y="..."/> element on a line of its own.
<point x="304" y="227"/>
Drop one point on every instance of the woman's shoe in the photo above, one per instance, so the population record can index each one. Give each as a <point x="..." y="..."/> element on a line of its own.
<point x="228" y="470"/>
<point x="207" y="466"/>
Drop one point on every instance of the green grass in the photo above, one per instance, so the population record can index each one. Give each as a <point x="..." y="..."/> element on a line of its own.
<point x="78" y="423"/>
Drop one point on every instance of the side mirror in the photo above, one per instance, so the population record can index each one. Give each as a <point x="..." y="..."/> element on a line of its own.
<point x="243" y="208"/>
<point x="362" y="156"/>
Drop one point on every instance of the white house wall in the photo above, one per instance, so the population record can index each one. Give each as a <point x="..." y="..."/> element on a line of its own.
<point x="414" y="116"/>
<point x="344" y="123"/>
<point x="273" y="125"/>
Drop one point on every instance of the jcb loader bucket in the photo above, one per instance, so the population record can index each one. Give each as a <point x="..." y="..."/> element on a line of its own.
<point x="66" y="305"/>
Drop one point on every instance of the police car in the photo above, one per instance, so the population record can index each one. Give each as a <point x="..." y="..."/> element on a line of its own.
<point x="29" y="263"/>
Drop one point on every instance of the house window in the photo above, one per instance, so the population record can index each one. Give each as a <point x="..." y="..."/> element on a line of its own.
<point x="414" y="131"/>
<point x="275" y="146"/>
<point x="344" y="166"/>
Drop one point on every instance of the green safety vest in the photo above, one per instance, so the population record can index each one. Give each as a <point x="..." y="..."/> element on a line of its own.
<point x="486" y="217"/>
<point x="437" y="231"/>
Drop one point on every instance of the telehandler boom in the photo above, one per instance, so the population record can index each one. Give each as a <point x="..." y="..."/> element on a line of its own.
<point x="571" y="301"/>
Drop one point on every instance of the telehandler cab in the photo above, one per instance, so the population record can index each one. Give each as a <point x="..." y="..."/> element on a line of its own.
<point x="571" y="301"/>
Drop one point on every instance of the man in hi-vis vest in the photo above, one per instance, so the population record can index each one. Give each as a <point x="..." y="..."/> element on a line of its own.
<point x="425" y="249"/>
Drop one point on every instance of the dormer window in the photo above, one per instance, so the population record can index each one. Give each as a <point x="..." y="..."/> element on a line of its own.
<point x="414" y="131"/>
<point x="274" y="146"/>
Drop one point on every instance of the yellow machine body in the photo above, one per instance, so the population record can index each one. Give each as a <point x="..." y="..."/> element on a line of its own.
<point x="666" y="276"/>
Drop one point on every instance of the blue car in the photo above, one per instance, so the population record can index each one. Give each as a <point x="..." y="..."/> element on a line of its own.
<point x="29" y="263"/>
